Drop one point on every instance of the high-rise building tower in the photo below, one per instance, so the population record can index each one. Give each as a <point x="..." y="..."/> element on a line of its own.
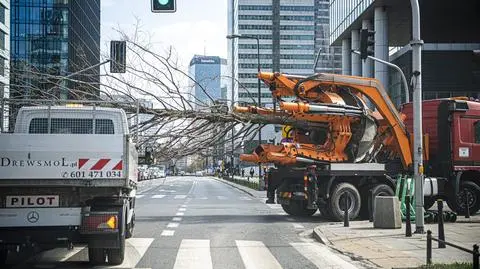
<point x="56" y="38"/>
<point x="209" y="85"/>
<point x="4" y="59"/>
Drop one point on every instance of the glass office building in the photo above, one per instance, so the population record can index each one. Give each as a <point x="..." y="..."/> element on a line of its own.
<point x="209" y="84"/>
<point x="53" y="38"/>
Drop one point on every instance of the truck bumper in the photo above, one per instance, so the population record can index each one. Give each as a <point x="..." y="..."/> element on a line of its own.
<point x="40" y="217"/>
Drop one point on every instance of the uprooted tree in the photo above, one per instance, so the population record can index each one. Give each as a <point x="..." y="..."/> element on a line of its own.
<point x="177" y="125"/>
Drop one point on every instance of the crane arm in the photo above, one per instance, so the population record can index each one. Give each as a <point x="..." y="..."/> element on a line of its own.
<point x="307" y="88"/>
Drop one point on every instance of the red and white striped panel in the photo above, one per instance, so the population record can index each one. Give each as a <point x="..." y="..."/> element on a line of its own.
<point x="100" y="164"/>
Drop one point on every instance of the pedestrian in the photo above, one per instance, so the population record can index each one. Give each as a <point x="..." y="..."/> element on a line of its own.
<point x="243" y="172"/>
<point x="251" y="172"/>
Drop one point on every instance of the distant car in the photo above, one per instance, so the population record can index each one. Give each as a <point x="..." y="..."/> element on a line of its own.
<point x="199" y="173"/>
<point x="182" y="173"/>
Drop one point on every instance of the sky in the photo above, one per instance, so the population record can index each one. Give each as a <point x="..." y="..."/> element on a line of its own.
<point x="197" y="27"/>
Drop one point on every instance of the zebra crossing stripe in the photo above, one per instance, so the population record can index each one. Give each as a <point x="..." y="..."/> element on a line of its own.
<point x="193" y="254"/>
<point x="321" y="256"/>
<point x="256" y="255"/>
<point x="139" y="196"/>
<point x="180" y="196"/>
<point x="158" y="196"/>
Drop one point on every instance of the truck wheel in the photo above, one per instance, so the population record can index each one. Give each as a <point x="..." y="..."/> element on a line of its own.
<point x="96" y="256"/>
<point x="337" y="203"/>
<point x="428" y="202"/>
<point x="457" y="202"/>
<point x="298" y="209"/>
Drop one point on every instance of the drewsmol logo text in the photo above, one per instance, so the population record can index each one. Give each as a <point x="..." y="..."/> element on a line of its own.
<point x="8" y="162"/>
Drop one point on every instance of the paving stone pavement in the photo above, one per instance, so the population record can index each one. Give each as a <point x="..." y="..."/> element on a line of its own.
<point x="389" y="248"/>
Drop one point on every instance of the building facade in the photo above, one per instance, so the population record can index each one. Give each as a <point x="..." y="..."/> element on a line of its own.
<point x="50" y="39"/>
<point x="209" y="82"/>
<point x="450" y="53"/>
<point x="4" y="60"/>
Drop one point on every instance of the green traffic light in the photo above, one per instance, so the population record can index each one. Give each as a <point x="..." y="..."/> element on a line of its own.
<point x="163" y="2"/>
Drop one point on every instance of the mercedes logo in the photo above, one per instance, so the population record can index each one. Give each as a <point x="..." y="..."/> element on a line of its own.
<point x="33" y="216"/>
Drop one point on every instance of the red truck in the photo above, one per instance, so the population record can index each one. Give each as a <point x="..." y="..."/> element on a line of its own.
<point x="451" y="129"/>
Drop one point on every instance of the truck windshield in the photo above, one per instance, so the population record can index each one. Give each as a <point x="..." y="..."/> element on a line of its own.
<point x="70" y="126"/>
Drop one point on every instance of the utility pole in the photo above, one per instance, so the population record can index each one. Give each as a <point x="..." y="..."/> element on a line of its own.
<point x="416" y="44"/>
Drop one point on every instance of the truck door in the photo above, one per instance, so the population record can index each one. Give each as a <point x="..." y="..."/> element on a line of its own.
<point x="466" y="142"/>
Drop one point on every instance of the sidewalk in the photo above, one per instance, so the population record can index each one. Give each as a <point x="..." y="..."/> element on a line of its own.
<point x="389" y="248"/>
<point x="255" y="193"/>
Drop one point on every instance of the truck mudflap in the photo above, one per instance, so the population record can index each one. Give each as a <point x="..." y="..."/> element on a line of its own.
<point x="40" y="217"/>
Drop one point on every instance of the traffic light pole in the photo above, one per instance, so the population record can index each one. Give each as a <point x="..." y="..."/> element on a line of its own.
<point x="396" y="67"/>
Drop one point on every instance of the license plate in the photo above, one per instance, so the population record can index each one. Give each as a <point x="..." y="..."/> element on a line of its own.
<point x="32" y="201"/>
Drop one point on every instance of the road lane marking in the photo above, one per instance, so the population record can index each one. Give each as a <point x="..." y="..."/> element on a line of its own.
<point x="321" y="256"/>
<point x="167" y="233"/>
<point x="179" y="214"/>
<point x="274" y="206"/>
<point x="158" y="196"/>
<point x="177" y="219"/>
<point x="183" y="206"/>
<point x="221" y="197"/>
<point x="256" y="255"/>
<point x="182" y="209"/>
<point x="244" y="198"/>
<point x="298" y="226"/>
<point x="180" y="196"/>
<point x="139" y="196"/>
<point x="193" y="254"/>
<point x="173" y="225"/>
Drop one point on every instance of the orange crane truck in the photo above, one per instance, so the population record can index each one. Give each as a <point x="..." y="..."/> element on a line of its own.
<point x="347" y="148"/>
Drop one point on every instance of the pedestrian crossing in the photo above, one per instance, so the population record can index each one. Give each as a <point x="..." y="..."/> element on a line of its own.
<point x="198" y="253"/>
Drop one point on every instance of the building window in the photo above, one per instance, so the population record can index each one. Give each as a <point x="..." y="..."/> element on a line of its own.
<point x="2" y="66"/>
<point x="2" y="40"/>
<point x="2" y="14"/>
<point x="477" y="132"/>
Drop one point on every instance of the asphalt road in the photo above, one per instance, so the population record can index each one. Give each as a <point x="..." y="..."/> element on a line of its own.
<point x="199" y="222"/>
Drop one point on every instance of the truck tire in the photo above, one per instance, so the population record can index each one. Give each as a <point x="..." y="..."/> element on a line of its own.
<point x="298" y="209"/>
<point x="428" y="202"/>
<point x="96" y="256"/>
<point x="457" y="202"/>
<point x="336" y="204"/>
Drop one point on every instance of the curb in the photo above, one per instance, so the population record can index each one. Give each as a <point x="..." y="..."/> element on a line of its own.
<point x="234" y="186"/>
<point x="320" y="236"/>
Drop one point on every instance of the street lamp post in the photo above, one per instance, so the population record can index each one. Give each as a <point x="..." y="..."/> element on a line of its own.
<point x="259" y="102"/>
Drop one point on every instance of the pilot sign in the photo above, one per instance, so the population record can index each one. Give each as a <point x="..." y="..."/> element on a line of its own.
<point x="32" y="201"/>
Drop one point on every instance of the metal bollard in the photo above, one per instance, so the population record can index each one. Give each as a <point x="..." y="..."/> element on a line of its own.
<point x="429" y="247"/>
<point x="441" y="230"/>
<point x="467" y="208"/>
<point x="408" y="223"/>
<point x="475" y="256"/>
<point x="346" y="222"/>
<point x="371" y="203"/>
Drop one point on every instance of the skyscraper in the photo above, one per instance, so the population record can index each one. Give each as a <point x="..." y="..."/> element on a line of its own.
<point x="4" y="58"/>
<point x="209" y="84"/>
<point x="56" y="38"/>
<point x="290" y="32"/>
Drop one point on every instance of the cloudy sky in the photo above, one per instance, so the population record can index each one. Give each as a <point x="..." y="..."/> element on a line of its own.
<point x="196" y="27"/>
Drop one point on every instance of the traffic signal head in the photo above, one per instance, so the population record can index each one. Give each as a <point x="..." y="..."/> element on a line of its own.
<point x="366" y="43"/>
<point x="163" y="6"/>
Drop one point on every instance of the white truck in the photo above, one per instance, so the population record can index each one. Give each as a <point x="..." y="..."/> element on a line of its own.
<point x="68" y="175"/>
